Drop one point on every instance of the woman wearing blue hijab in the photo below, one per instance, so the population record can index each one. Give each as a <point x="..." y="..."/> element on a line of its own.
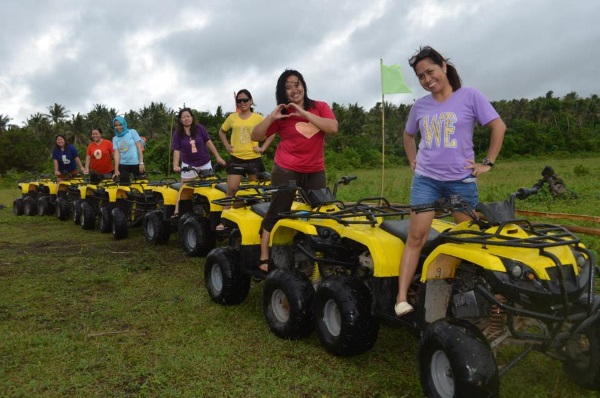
<point x="129" y="150"/>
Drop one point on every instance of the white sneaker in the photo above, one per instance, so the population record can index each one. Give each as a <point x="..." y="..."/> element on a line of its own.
<point x="403" y="308"/>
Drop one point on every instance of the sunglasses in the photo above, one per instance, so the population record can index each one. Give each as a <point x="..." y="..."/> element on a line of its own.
<point x="419" y="55"/>
<point x="242" y="100"/>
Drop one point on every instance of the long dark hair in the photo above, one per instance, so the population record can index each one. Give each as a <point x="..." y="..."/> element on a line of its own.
<point x="180" y="130"/>
<point x="244" y="91"/>
<point x="437" y="58"/>
<point x="280" y="94"/>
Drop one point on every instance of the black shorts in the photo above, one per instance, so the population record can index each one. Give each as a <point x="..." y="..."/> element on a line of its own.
<point x="282" y="199"/>
<point x="128" y="171"/>
<point x="244" y="167"/>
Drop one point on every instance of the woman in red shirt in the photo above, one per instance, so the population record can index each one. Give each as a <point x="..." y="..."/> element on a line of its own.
<point x="302" y="125"/>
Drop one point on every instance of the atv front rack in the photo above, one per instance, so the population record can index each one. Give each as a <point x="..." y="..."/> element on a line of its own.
<point x="540" y="235"/>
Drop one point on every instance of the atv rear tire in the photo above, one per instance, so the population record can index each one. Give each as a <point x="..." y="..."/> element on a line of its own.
<point x="344" y="322"/>
<point x="156" y="230"/>
<point x="18" y="207"/>
<point x="225" y="282"/>
<point x="288" y="297"/>
<point x="119" y="224"/>
<point x="105" y="220"/>
<point x="196" y="237"/>
<point x="583" y="367"/>
<point x="44" y="206"/>
<point x="62" y="208"/>
<point x="455" y="360"/>
<point x="88" y="216"/>
<point x="77" y="212"/>
<point x="29" y="206"/>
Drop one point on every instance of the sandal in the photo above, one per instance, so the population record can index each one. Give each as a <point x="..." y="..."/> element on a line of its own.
<point x="220" y="227"/>
<point x="261" y="263"/>
<point x="175" y="216"/>
<point x="403" y="308"/>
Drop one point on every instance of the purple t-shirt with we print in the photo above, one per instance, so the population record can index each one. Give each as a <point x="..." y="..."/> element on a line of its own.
<point x="446" y="131"/>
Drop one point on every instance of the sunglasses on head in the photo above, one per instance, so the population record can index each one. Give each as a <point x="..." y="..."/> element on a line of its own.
<point x="242" y="100"/>
<point x="419" y="55"/>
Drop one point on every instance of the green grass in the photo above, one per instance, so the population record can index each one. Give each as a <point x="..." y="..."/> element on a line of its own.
<point x="84" y="315"/>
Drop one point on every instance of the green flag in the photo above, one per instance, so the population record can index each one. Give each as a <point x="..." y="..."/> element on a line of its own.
<point x="392" y="81"/>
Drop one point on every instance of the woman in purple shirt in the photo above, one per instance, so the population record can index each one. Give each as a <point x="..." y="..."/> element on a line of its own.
<point x="191" y="144"/>
<point x="445" y="162"/>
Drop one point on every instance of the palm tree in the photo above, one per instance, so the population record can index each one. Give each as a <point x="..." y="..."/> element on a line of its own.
<point x="57" y="113"/>
<point x="4" y="123"/>
<point x="101" y="116"/>
<point x="78" y="129"/>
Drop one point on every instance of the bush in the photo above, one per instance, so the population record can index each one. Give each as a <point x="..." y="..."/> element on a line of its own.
<point x="581" y="171"/>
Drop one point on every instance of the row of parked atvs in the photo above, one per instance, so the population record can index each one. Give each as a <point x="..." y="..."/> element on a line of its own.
<point x="334" y="270"/>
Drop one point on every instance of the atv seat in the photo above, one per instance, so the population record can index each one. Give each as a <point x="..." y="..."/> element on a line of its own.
<point x="222" y="186"/>
<point x="498" y="212"/>
<point x="399" y="228"/>
<point x="176" y="186"/>
<point x="261" y="208"/>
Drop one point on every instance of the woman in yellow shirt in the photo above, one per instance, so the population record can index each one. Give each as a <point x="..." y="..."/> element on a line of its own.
<point x="245" y="154"/>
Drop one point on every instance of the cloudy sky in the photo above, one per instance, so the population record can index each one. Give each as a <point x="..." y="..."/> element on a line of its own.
<point x="125" y="54"/>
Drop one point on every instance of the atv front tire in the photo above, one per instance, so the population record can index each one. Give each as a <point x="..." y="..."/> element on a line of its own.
<point x="288" y="297"/>
<point x="18" y="207"/>
<point x="455" y="360"/>
<point x="583" y="365"/>
<point x="344" y="322"/>
<point x="225" y="282"/>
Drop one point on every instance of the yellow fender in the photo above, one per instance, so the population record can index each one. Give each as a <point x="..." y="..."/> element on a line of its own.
<point x="247" y="221"/>
<point x="284" y="231"/>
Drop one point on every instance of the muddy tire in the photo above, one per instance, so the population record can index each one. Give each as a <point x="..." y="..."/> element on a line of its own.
<point x="119" y="224"/>
<point x="343" y="318"/>
<point x="455" y="360"/>
<point x="196" y="237"/>
<point x="288" y="298"/>
<point x="18" y="207"/>
<point x="225" y="282"/>
<point x="156" y="230"/>
<point x="105" y="220"/>
<point x="88" y="216"/>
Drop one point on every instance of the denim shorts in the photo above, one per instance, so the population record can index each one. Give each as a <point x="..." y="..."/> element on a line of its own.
<point x="425" y="190"/>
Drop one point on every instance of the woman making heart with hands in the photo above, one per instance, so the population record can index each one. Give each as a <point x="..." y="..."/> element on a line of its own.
<point x="302" y="125"/>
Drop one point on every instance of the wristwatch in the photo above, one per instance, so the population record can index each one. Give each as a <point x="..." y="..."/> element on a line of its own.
<point x="487" y="162"/>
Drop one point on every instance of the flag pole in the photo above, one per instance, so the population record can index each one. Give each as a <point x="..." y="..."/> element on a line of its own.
<point x="382" y="129"/>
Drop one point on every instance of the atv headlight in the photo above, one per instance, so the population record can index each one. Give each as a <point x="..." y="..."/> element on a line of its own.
<point x="517" y="270"/>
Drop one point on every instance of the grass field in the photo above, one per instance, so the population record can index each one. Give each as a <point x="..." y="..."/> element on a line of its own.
<point x="84" y="315"/>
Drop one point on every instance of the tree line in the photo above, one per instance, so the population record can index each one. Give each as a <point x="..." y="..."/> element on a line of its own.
<point x="542" y="126"/>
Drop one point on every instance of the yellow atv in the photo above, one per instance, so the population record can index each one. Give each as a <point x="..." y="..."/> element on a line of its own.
<point x="128" y="202"/>
<point x="37" y="197"/>
<point x="197" y="218"/>
<point x="479" y="285"/>
<point x="68" y="201"/>
<point x="229" y="270"/>
<point x="95" y="202"/>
